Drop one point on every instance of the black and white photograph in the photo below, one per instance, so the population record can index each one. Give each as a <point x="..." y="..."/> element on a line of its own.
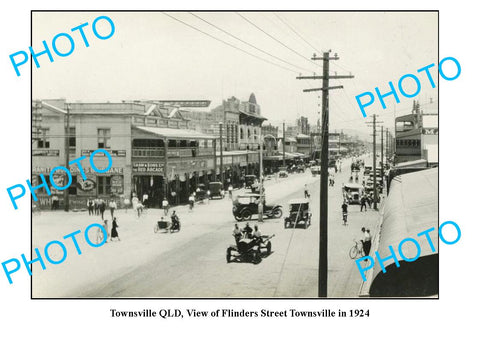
<point x="225" y="170"/>
<point x="221" y="138"/>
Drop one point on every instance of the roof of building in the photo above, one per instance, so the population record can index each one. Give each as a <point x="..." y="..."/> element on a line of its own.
<point x="174" y="133"/>
<point x="410" y="208"/>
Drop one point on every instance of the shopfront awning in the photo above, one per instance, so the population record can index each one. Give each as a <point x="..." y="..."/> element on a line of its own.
<point x="410" y="208"/>
<point x="173" y="133"/>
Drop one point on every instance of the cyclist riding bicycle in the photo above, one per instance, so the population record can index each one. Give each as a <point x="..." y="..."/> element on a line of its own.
<point x="345" y="212"/>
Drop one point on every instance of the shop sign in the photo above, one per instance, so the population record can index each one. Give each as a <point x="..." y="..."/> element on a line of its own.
<point x="147" y="167"/>
<point x="116" y="184"/>
<point x="46" y="152"/>
<point x="430" y="131"/>
<point x="114" y="153"/>
<point x="86" y="185"/>
<point x="75" y="171"/>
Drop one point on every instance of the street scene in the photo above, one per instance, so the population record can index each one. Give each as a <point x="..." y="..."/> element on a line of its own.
<point x="231" y="179"/>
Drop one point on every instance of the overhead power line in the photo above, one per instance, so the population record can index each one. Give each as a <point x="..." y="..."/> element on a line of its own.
<point x="226" y="43"/>
<point x="278" y="41"/>
<point x="285" y="22"/>
<point x="249" y="44"/>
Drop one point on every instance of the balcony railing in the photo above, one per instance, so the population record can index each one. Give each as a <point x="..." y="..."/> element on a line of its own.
<point x="148" y="152"/>
<point x="181" y="152"/>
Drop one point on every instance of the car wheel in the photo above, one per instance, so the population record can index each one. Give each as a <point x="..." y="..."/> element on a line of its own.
<point x="269" y="247"/>
<point x="257" y="258"/>
<point x="277" y="213"/>
<point x="238" y="218"/>
<point x="229" y="255"/>
<point x="246" y="215"/>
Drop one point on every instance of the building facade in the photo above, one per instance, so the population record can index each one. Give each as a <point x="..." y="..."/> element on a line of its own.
<point x="154" y="151"/>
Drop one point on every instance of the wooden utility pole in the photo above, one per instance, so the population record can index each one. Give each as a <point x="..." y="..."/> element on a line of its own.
<point x="375" y="192"/>
<point x="381" y="154"/>
<point x="283" y="144"/>
<point x="66" y="198"/>
<point x="323" y="251"/>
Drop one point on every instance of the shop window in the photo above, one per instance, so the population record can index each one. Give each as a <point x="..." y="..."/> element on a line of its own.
<point x="43" y="140"/>
<point x="72" y="140"/>
<point x="241" y="133"/>
<point x="103" y="185"/>
<point x="104" y="137"/>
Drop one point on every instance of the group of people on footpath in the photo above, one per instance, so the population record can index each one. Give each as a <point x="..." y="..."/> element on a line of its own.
<point x="98" y="206"/>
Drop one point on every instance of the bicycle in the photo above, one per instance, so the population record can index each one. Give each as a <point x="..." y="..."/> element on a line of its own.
<point x="356" y="250"/>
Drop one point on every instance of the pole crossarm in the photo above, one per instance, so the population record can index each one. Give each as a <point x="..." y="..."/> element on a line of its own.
<point x="323" y="89"/>
<point x="327" y="77"/>
<point x="323" y="58"/>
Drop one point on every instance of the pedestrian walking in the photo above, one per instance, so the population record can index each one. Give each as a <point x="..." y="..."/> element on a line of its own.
<point x="369" y="201"/>
<point x="165" y="206"/>
<point x="114" y="233"/>
<point x="191" y="201"/>
<point x="305" y="191"/>
<point x="96" y="203"/>
<point x="90" y="206"/>
<point x="102" y="207"/>
<point x="367" y="241"/>
<point x="112" y="205"/>
<point x="363" y="203"/>
<point x="145" y="200"/>
<point x="126" y="203"/>
<point x="134" y="201"/>
<point x="55" y="203"/>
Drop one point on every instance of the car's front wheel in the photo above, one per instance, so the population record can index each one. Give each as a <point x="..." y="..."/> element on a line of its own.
<point x="247" y="215"/>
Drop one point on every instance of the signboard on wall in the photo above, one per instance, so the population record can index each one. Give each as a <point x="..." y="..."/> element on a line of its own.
<point x="148" y="167"/>
<point x="113" y="153"/>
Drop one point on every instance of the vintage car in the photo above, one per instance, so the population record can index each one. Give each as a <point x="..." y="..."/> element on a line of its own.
<point x="315" y="170"/>
<point x="282" y="172"/>
<point x="249" y="250"/>
<point x="353" y="192"/>
<point x="201" y="193"/>
<point x="299" y="214"/>
<point x="249" y="180"/>
<point x="244" y="206"/>
<point x="215" y="189"/>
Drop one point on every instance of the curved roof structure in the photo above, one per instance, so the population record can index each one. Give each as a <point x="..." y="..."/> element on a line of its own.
<point x="410" y="208"/>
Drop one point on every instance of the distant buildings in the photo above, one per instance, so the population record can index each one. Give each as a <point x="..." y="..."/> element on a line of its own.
<point x="416" y="137"/>
<point x="158" y="148"/>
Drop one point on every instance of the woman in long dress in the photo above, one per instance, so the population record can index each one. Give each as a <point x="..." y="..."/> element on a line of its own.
<point x="114" y="233"/>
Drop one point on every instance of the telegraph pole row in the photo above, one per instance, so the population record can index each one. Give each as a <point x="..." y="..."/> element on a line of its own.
<point x="375" y="193"/>
<point x="323" y="252"/>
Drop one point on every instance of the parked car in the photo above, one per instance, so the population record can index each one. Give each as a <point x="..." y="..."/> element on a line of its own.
<point x="215" y="189"/>
<point x="315" y="170"/>
<point x="244" y="206"/>
<point x="249" y="180"/>
<point x="282" y="172"/>
<point x="201" y="193"/>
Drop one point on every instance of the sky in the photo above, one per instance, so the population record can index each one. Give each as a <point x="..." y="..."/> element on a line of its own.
<point x="153" y="56"/>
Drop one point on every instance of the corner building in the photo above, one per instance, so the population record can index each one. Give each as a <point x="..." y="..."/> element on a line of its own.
<point x="153" y="147"/>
